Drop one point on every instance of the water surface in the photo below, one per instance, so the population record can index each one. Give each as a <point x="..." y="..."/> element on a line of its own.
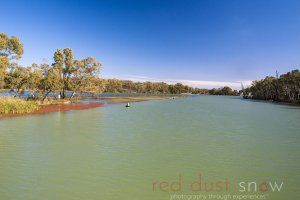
<point x="114" y="153"/>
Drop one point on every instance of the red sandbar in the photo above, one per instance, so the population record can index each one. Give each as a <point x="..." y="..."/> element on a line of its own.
<point x="59" y="108"/>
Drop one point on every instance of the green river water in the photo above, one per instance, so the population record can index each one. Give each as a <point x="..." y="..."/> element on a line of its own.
<point x="118" y="153"/>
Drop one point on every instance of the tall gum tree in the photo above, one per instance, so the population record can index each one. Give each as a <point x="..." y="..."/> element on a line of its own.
<point x="85" y="76"/>
<point x="10" y="49"/>
<point x="63" y="62"/>
<point x="67" y="69"/>
<point x="58" y="67"/>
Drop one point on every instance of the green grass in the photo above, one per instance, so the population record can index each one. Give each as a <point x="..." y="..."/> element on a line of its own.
<point x="10" y="105"/>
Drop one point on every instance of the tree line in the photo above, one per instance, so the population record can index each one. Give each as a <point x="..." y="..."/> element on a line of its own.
<point x="75" y="76"/>
<point x="127" y="86"/>
<point x="283" y="88"/>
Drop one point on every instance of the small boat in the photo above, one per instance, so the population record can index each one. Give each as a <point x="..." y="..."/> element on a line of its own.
<point x="127" y="105"/>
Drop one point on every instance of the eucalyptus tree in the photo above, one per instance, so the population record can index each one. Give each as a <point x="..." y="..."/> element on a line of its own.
<point x="10" y="49"/>
<point x="58" y="68"/>
<point x="17" y="78"/>
<point x="63" y="62"/>
<point x="35" y="80"/>
<point x="51" y="81"/>
<point x="84" y="76"/>
<point x="67" y="69"/>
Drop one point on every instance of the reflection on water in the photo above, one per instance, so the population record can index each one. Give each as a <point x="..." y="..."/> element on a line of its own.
<point x="116" y="153"/>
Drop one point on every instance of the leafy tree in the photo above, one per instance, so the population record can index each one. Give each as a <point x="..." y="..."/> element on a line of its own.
<point x="51" y="81"/>
<point x="222" y="91"/>
<point x="84" y="75"/>
<point x="10" y="49"/>
<point x="67" y="69"/>
<point x="58" y="68"/>
<point x="113" y="86"/>
<point x="17" y="78"/>
<point x="226" y="91"/>
<point x="34" y="80"/>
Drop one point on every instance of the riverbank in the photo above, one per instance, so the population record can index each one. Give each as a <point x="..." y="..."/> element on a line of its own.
<point x="296" y="104"/>
<point x="50" y="108"/>
<point x="11" y="106"/>
<point x="62" y="105"/>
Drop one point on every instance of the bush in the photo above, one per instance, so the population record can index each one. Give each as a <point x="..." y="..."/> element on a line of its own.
<point x="10" y="105"/>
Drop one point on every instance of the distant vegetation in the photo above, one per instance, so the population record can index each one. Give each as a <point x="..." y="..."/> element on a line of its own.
<point x="127" y="86"/>
<point x="283" y="88"/>
<point x="75" y="76"/>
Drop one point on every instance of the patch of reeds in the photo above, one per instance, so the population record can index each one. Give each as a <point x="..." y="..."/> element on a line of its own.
<point x="11" y="105"/>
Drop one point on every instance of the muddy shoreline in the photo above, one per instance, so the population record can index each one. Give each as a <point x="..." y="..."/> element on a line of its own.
<point x="85" y="105"/>
<point x="44" y="109"/>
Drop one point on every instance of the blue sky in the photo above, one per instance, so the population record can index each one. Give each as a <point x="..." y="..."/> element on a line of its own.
<point x="201" y="43"/>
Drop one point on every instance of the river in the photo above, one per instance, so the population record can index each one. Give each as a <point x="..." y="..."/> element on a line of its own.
<point x="153" y="150"/>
